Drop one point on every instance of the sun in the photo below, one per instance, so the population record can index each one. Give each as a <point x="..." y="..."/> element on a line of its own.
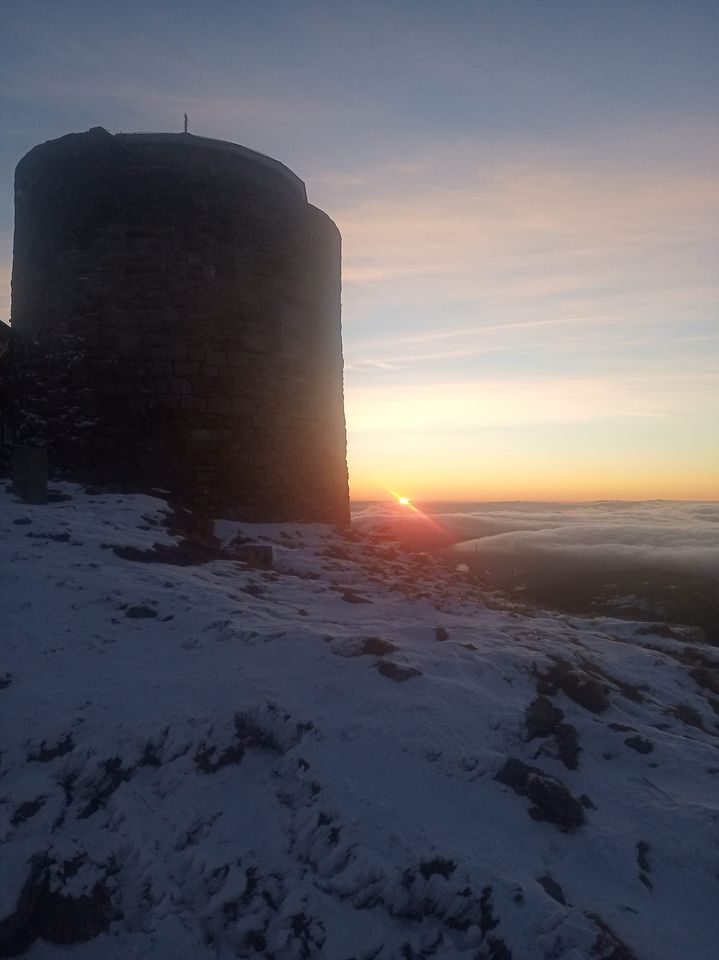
<point x="402" y="501"/>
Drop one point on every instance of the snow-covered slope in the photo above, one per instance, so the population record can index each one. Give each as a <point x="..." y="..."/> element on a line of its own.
<point x="346" y="755"/>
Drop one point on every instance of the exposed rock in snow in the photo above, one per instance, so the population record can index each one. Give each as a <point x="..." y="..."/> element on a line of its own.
<point x="331" y="749"/>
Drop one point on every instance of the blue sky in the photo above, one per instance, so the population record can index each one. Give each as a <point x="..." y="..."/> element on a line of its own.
<point x="528" y="198"/>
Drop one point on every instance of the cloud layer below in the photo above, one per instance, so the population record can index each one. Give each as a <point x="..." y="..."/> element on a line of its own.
<point x="546" y="541"/>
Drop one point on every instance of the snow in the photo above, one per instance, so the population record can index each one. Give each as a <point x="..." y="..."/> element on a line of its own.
<point x="218" y="760"/>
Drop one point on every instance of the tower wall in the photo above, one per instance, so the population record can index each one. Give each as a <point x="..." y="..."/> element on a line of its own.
<point x="176" y="324"/>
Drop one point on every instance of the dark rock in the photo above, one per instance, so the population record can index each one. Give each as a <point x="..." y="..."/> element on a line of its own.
<point x="64" y="919"/>
<point x="608" y="946"/>
<point x="57" y="496"/>
<point x="515" y="774"/>
<point x="576" y="683"/>
<point x="209" y="759"/>
<point x="643" y="863"/>
<point x="441" y="634"/>
<point x="551" y="800"/>
<point x="688" y="715"/>
<point x="254" y="589"/>
<point x="498" y="949"/>
<point x="545" y="687"/>
<point x="640" y="744"/>
<point x="186" y="553"/>
<point x="45" y="912"/>
<point x="253" y="554"/>
<point x="16" y="933"/>
<point x="248" y="734"/>
<point x="444" y="868"/>
<point x="541" y="718"/>
<point x="141" y="612"/>
<point x="376" y="647"/>
<point x="27" y="810"/>
<point x="394" y="672"/>
<point x="568" y="747"/>
<point x="554" y="803"/>
<point x="45" y="754"/>
<point x="487" y="920"/>
<point x="112" y="776"/>
<point x="704" y="676"/>
<point x="349" y="596"/>
<point x="552" y="888"/>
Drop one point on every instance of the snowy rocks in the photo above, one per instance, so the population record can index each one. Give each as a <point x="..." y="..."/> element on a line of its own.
<point x="578" y="684"/>
<point x="541" y="718"/>
<point x="551" y="800"/>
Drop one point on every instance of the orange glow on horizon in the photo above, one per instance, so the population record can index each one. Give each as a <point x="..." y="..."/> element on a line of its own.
<point x="536" y="439"/>
<point x="554" y="482"/>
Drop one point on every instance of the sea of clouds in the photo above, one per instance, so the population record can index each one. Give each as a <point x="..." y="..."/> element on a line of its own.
<point x="554" y="539"/>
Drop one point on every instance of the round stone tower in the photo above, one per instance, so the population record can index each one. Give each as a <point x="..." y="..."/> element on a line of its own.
<point x="176" y="324"/>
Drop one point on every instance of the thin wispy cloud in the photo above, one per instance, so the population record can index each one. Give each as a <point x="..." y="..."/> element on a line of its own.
<point x="529" y="235"/>
<point x="526" y="401"/>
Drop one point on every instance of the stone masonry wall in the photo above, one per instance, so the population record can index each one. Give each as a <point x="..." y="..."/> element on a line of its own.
<point x="176" y="324"/>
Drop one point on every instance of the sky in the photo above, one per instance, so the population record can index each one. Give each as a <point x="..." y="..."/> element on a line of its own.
<point x="528" y="195"/>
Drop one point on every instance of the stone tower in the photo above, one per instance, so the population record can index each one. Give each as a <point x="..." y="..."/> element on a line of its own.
<point x="176" y="324"/>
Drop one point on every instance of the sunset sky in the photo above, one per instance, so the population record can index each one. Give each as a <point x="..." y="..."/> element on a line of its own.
<point x="527" y="192"/>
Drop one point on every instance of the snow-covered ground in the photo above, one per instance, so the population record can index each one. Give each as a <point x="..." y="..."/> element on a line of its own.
<point x="349" y="754"/>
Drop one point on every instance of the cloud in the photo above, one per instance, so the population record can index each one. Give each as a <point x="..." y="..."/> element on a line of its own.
<point x="503" y="401"/>
<point x="523" y="234"/>
<point x="484" y="242"/>
<point x="546" y="541"/>
<point x="673" y="536"/>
